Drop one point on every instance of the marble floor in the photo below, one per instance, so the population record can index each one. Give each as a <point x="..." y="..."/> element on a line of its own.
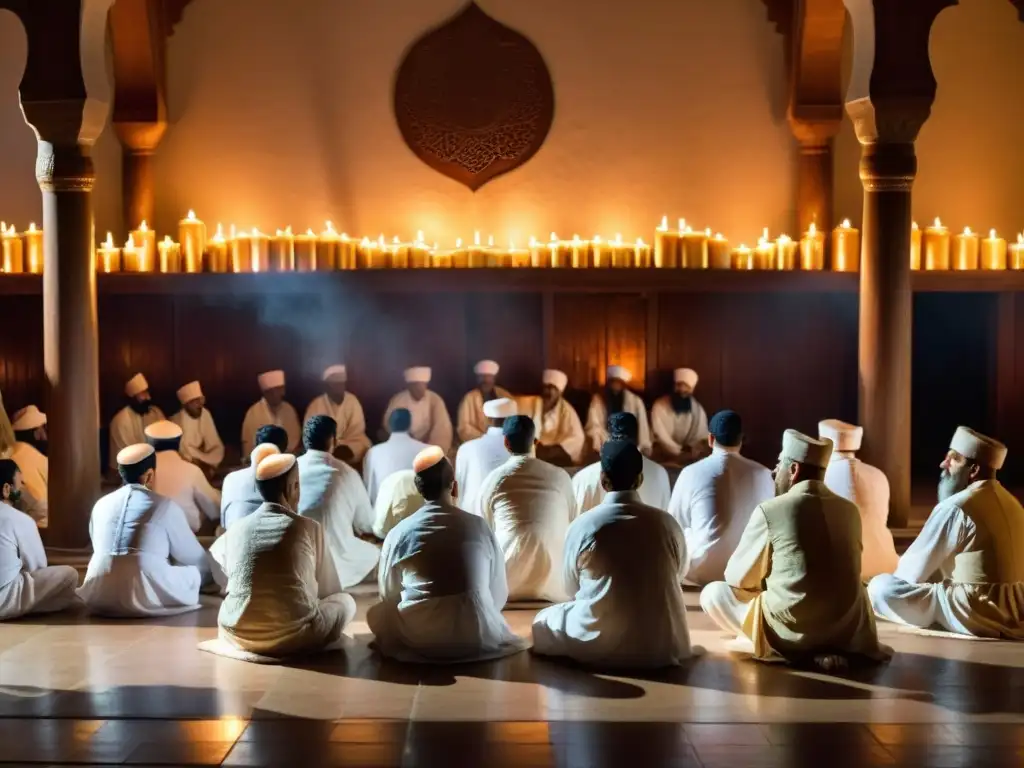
<point x="84" y="692"/>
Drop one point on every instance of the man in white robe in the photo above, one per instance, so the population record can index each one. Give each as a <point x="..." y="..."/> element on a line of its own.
<point x="655" y="489"/>
<point x="475" y="459"/>
<point x="332" y="493"/>
<point x="27" y="584"/>
<point x="239" y="496"/>
<point x="347" y="412"/>
<point x="397" y="499"/>
<point x="679" y="422"/>
<point x="146" y="561"/>
<point x="431" y="423"/>
<point x="442" y="580"/>
<point x="964" y="573"/>
<point x="561" y="439"/>
<point x="868" y="488"/>
<point x="129" y="424"/>
<point x="178" y="480"/>
<point x="623" y="563"/>
<point x="472" y="422"/>
<point x="200" y="441"/>
<point x="616" y="398"/>
<point x="714" y="497"/>
<point x="271" y="409"/>
<point x="29" y="454"/>
<point x="283" y="592"/>
<point x="529" y="504"/>
<point x="394" y="454"/>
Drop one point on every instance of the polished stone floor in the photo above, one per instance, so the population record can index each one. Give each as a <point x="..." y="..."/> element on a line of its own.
<point x="79" y="691"/>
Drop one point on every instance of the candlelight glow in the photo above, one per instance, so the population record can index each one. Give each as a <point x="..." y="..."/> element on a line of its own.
<point x="330" y="228"/>
<point x="764" y="234"/>
<point x="311" y="233"/>
<point x="365" y="243"/>
<point x="682" y="224"/>
<point x="490" y="241"/>
<point x="191" y="216"/>
<point x="938" y="223"/>
<point x="143" y="227"/>
<point x="167" y="240"/>
<point x="640" y="243"/>
<point x="32" y="226"/>
<point x="914" y="226"/>
<point x="476" y="238"/>
<point x="554" y="238"/>
<point x="618" y="238"/>
<point x="395" y="240"/>
<point x="458" y="242"/>
<point x="967" y="231"/>
<point x="664" y="224"/>
<point x="131" y="242"/>
<point x="785" y="239"/>
<point x="109" y="242"/>
<point x="576" y="239"/>
<point x="233" y="232"/>
<point x="533" y="242"/>
<point x="992" y="234"/>
<point x="812" y="230"/>
<point x="845" y="224"/>
<point x="597" y="239"/>
<point x="718" y="235"/>
<point x="1020" y="238"/>
<point x="419" y="236"/>
<point x="219" y="236"/>
<point x="380" y="241"/>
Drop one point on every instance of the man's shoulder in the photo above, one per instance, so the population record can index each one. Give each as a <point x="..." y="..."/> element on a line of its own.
<point x="122" y="414"/>
<point x="587" y="474"/>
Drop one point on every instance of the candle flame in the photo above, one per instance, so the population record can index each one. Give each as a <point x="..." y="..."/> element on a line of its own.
<point x="395" y="240"/>
<point x="220" y="232"/>
<point x="256" y="232"/>
<point x="167" y="240"/>
<point x="380" y="240"/>
<point x="109" y="242"/>
<point x="914" y="226"/>
<point x="744" y="249"/>
<point x="511" y="244"/>
<point x="344" y="235"/>
<point x="329" y="228"/>
<point x="311" y="233"/>
<point x="143" y="227"/>
<point x="688" y="230"/>
<point x="1020" y="238"/>
<point x="784" y="239"/>
<point x="618" y="238"/>
<point x="764" y="234"/>
<point x="718" y="236"/>
<point x="458" y="242"/>
<point x="191" y="215"/>
<point x="435" y="247"/>
<point x="490" y="241"/>
<point x="131" y="242"/>
<point x="11" y="230"/>
<point x="554" y="238"/>
<point x="419" y="236"/>
<point x="812" y="230"/>
<point x="938" y="223"/>
<point x="576" y="239"/>
<point x="233" y="232"/>
<point x="281" y="233"/>
<point x="708" y="231"/>
<point x="32" y="227"/>
<point x="597" y="239"/>
<point x="991" y="234"/>
<point x="640" y="243"/>
<point x="288" y="230"/>
<point x="476" y="238"/>
<point x="967" y="231"/>
<point x="682" y="224"/>
<point x="365" y="243"/>
<point x="846" y="224"/>
<point x="664" y="224"/>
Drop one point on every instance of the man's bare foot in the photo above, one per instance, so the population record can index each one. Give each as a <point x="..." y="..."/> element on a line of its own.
<point x="831" y="663"/>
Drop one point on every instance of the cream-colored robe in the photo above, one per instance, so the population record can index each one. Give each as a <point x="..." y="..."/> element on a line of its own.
<point x="655" y="491"/>
<point x="868" y="488"/>
<point x="431" y="423"/>
<point x="597" y="421"/>
<point x="675" y="431"/>
<point x="559" y="426"/>
<point x="35" y="471"/>
<point x="128" y="428"/>
<point x="260" y="414"/>
<point x="384" y="459"/>
<point x="351" y="422"/>
<point x="397" y="499"/>
<point x="474" y="462"/>
<point x="471" y="420"/>
<point x="186" y="485"/>
<point x="27" y="584"/>
<point x="200" y="441"/>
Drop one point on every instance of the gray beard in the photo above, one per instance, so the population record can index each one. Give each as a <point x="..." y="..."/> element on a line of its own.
<point x="950" y="484"/>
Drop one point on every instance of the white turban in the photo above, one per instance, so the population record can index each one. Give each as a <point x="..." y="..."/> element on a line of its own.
<point x="274" y="465"/>
<point x="486" y="368"/>
<point x="270" y="380"/>
<point x="619" y="372"/>
<point x="846" y="437"/>
<point x="501" y="408"/>
<point x="188" y="393"/>
<point x="28" y="418"/>
<point x="417" y="375"/>
<point x="336" y="373"/>
<point x="556" y="379"/>
<point x="163" y="430"/>
<point x="136" y="385"/>
<point x="133" y="454"/>
<point x="687" y="376"/>
<point x="800" y="448"/>
<point x="978" y="448"/>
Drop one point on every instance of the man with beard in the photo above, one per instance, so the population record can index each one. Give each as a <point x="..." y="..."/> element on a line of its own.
<point x="679" y="422"/>
<point x="792" y="588"/>
<point x="30" y="455"/>
<point x="271" y="409"/>
<point x="964" y="573"/>
<point x="431" y="423"/>
<point x="472" y="423"/>
<point x="200" y="441"/>
<point x="128" y="427"/>
<point x="561" y="436"/>
<point x="347" y="412"/>
<point x="616" y="398"/>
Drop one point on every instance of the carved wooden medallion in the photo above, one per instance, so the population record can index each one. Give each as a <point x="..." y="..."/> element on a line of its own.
<point x="474" y="98"/>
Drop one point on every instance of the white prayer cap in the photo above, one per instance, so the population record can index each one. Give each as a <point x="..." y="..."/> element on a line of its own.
<point x="27" y="418"/>
<point x="556" y="379"/>
<point x="188" y="393"/>
<point x="687" y="376"/>
<point x="501" y="408"/>
<point x="486" y="368"/>
<point x="163" y="430"/>
<point x="798" y="447"/>
<point x="136" y="384"/>
<point x="133" y="454"/>
<point x="336" y="373"/>
<point x="274" y="465"/>
<point x="261" y="451"/>
<point x="619" y="372"/>
<point x="846" y="437"/>
<point x="270" y="380"/>
<point x="427" y="458"/>
<point x="419" y="375"/>
<point x="978" y="448"/>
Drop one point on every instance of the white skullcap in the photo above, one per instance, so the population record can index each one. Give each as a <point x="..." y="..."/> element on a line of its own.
<point x="619" y="372"/>
<point x="427" y="458"/>
<point x="27" y="418"/>
<point x="846" y="437"/>
<point x="270" y="380"/>
<point x="978" y="448"/>
<point x="336" y="373"/>
<point x="417" y="375"/>
<point x="136" y="384"/>
<point x="556" y="379"/>
<point x="261" y="451"/>
<point x="501" y="408"/>
<point x="163" y="430"/>
<point x="188" y="393"/>
<point x="275" y="465"/>
<point x="486" y="368"/>
<point x="688" y="376"/>
<point x="800" y="448"/>
<point x="133" y="454"/>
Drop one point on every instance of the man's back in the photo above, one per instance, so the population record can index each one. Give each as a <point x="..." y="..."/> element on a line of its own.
<point x="868" y="488"/>
<point x="474" y="461"/>
<point x="994" y="554"/>
<point x="186" y="485"/>
<point x="239" y="496"/>
<point x="388" y="457"/>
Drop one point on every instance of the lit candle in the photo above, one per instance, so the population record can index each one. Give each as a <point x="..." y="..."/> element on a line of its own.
<point x="145" y="241"/>
<point x="785" y="253"/>
<point x="442" y="259"/>
<point x="693" y="248"/>
<point x="915" y="246"/>
<point x="348" y="252"/>
<point x="764" y="254"/>
<point x="540" y="255"/>
<point x="132" y="255"/>
<point x="399" y="254"/>
<point x="966" y="246"/>
<point x="1017" y="253"/>
<point x="744" y="258"/>
<point x="327" y="249"/>
<point x="936" y="247"/>
<point x="108" y="256"/>
<point x="192" y="236"/>
<point x="460" y="256"/>
<point x="812" y="249"/>
<point x="575" y="253"/>
<point x="517" y="257"/>
<point x="33" y="250"/>
<point x="623" y="254"/>
<point x="477" y="254"/>
<point x="282" y="251"/>
<point x="419" y="253"/>
<point x="305" y="251"/>
<point x="241" y="252"/>
<point x="170" y="256"/>
<point x="993" y="252"/>
<point x="13" y="261"/>
<point x="643" y="254"/>
<point x="378" y="255"/>
<point x="845" y="248"/>
<point x="602" y="252"/>
<point x="260" y="251"/>
<point x="217" y="252"/>
<point x="666" y="246"/>
<point x="719" y="255"/>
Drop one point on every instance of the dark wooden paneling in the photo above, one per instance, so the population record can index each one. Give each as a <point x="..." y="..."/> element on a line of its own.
<point x="21" y="352"/>
<point x="506" y="328"/>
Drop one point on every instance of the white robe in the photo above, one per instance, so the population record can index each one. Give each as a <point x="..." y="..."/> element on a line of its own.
<point x="397" y="499"/>
<point x="128" y="428"/>
<point x="146" y="561"/>
<point x="351" y="422"/>
<point x="200" y="440"/>
<point x="597" y="421"/>
<point x="474" y="462"/>
<point x="675" y="431"/>
<point x="35" y="471"/>
<point x="560" y="426"/>
<point x="431" y="423"/>
<point x="471" y="420"/>
<point x="388" y="457"/>
<point x="332" y="493"/>
<point x="27" y="584"/>
<point x="529" y="504"/>
<point x="187" y="486"/>
<point x="442" y="588"/>
<point x="283" y="592"/>
<point x="655" y="491"/>
<point x="259" y="414"/>
<point x="868" y="488"/>
<point x="623" y="563"/>
<point x="712" y="503"/>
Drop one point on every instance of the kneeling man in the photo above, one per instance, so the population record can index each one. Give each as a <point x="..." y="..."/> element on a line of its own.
<point x="964" y="573"/>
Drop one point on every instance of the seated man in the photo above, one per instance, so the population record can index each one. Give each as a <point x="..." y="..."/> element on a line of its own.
<point x="529" y="504"/>
<point x="964" y="573"/>
<point x="655" y="490"/>
<point x="792" y="589"/>
<point x="332" y="493"/>
<point x="200" y="441"/>
<point x="271" y="409"/>
<point x="616" y="398"/>
<point x="679" y="422"/>
<point x="476" y="458"/>
<point x="393" y="455"/>
<point x="561" y="436"/>
<point x="431" y="423"/>
<point x="442" y="580"/>
<point x="347" y="412"/>
<point x="472" y="423"/>
<point x="397" y="499"/>
<point x="623" y="563"/>
<point x="27" y="584"/>
<point x="146" y="561"/>
<point x="714" y="497"/>
<point x="283" y="592"/>
<point x="239" y="496"/>
<point x="177" y="480"/>
<point x="128" y="425"/>
<point x="29" y="454"/>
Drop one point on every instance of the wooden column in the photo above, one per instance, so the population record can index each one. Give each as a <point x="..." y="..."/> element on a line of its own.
<point x="139" y="142"/>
